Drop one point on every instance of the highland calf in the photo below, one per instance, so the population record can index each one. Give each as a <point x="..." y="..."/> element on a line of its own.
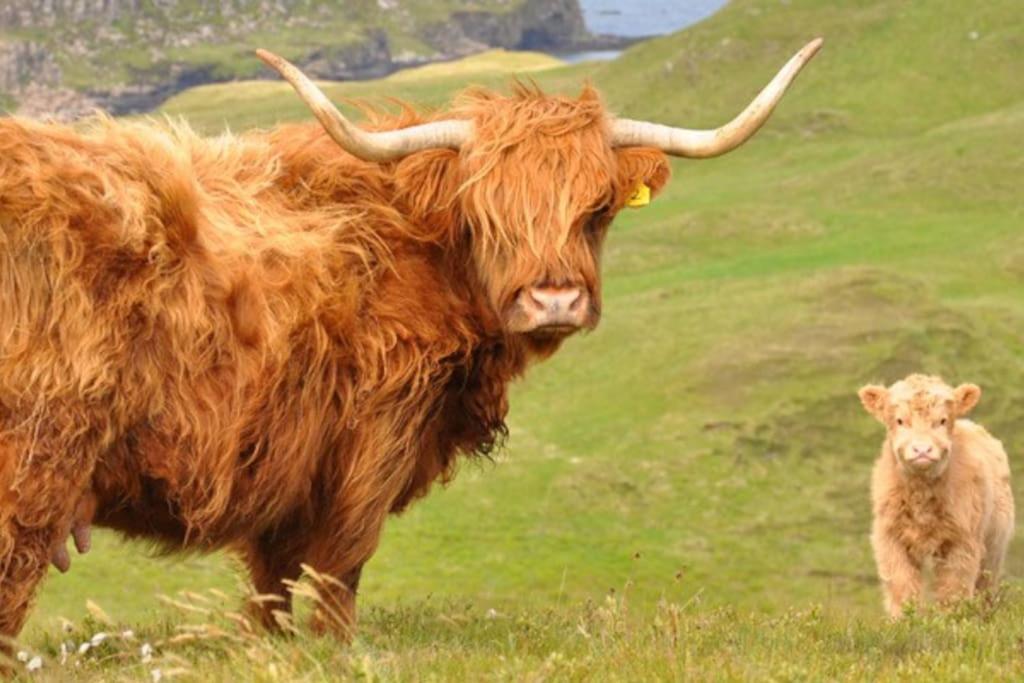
<point x="267" y="343"/>
<point x="941" y="493"/>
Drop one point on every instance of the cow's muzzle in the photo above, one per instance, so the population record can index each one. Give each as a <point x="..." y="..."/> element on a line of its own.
<point x="553" y="311"/>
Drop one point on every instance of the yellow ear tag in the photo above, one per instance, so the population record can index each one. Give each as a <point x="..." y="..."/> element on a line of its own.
<point x="641" y="196"/>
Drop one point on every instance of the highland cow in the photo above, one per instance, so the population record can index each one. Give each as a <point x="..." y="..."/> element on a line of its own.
<point x="267" y="343"/>
<point x="941" y="493"/>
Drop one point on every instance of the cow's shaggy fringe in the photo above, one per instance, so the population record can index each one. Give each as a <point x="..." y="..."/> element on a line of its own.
<point x="259" y="342"/>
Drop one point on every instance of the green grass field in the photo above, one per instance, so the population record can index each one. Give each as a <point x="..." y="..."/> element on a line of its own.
<point x="684" y="493"/>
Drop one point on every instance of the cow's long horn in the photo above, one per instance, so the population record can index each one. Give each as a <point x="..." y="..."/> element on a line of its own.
<point x="702" y="144"/>
<point x="380" y="146"/>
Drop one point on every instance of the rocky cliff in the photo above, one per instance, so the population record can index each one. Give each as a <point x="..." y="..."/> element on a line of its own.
<point x="65" y="57"/>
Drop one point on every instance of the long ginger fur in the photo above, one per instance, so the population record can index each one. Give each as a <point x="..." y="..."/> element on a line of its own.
<point x="260" y="343"/>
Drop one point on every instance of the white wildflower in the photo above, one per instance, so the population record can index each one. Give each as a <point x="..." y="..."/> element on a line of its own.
<point x="22" y="656"/>
<point x="83" y="648"/>
<point x="146" y="652"/>
<point x="98" y="639"/>
<point x="156" y="675"/>
<point x="128" y="635"/>
<point x="35" y="664"/>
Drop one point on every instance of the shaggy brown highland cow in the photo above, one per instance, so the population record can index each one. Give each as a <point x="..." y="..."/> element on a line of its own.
<point x="266" y="343"/>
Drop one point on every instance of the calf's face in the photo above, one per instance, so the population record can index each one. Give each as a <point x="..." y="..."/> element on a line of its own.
<point x="920" y="414"/>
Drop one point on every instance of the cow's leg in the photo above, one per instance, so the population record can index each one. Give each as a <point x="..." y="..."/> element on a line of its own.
<point x="350" y="531"/>
<point x="46" y="465"/>
<point x="336" y="611"/>
<point x="375" y="472"/>
<point x="273" y="558"/>
<point x="25" y="558"/>
<point x="36" y="508"/>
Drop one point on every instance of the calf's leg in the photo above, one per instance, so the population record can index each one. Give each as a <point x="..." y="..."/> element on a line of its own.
<point x="900" y="575"/>
<point x="997" y="542"/>
<point x="992" y="565"/>
<point x="958" y="572"/>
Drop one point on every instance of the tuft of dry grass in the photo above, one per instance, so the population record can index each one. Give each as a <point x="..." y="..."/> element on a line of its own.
<point x="202" y="638"/>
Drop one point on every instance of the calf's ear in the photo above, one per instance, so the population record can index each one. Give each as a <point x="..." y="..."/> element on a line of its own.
<point x="966" y="396"/>
<point x="874" y="397"/>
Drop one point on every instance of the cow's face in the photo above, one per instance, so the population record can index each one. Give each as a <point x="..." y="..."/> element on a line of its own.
<point x="920" y="415"/>
<point x="530" y="183"/>
<point x="539" y="186"/>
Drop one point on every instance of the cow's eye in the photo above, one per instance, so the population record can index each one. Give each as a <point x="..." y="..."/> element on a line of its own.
<point x="942" y="421"/>
<point x="899" y="421"/>
<point x="597" y="222"/>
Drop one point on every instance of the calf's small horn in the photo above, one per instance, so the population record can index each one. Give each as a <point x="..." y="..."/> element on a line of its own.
<point x="703" y="144"/>
<point x="370" y="146"/>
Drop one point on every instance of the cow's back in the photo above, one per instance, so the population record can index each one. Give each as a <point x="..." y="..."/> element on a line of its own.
<point x="197" y="301"/>
<point x="152" y="282"/>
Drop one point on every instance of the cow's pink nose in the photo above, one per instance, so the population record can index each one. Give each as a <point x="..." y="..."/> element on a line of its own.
<point x="558" y="310"/>
<point x="556" y="300"/>
<point x="922" y="449"/>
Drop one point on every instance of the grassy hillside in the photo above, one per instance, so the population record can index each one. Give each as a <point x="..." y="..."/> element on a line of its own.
<point x="703" y="453"/>
<point x="257" y="103"/>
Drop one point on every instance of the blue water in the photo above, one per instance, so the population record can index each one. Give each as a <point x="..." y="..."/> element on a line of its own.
<point x="635" y="18"/>
<point x="645" y="17"/>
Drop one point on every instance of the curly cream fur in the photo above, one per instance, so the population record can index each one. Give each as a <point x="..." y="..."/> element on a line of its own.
<point x="956" y="513"/>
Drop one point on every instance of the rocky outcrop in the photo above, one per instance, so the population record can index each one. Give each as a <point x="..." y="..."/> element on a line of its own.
<point x="368" y="59"/>
<point x="30" y="82"/>
<point x="48" y="13"/>
<point x="22" y="63"/>
<point x="534" y="25"/>
<point x="58" y="103"/>
<point x="128" y="56"/>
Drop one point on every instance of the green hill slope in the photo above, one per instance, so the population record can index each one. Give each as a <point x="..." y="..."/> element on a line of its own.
<point x="706" y="440"/>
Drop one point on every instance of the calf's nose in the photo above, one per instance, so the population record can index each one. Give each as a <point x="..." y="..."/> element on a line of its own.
<point x="922" y="449"/>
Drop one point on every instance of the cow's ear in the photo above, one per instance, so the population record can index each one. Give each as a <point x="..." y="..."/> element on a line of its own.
<point x="427" y="187"/>
<point x="966" y="396"/>
<point x="640" y="165"/>
<point x="874" y="399"/>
